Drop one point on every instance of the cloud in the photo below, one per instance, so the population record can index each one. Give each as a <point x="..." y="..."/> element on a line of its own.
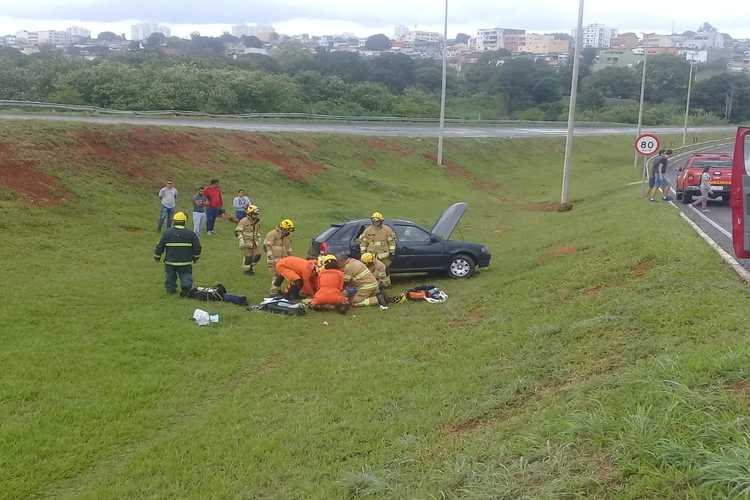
<point x="541" y="15"/>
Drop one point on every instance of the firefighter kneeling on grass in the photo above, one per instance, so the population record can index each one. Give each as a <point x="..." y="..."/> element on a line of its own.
<point x="248" y="235"/>
<point x="380" y="240"/>
<point x="329" y="294"/>
<point x="367" y="291"/>
<point x="377" y="269"/>
<point x="183" y="248"/>
<point x="277" y="246"/>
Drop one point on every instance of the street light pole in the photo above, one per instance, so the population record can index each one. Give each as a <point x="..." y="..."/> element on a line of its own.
<point x="687" y="106"/>
<point x="442" y="97"/>
<point x="567" y="165"/>
<point x="643" y="95"/>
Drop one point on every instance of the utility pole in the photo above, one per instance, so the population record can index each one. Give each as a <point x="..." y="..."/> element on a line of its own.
<point x="567" y="165"/>
<point x="687" y="106"/>
<point x="442" y="97"/>
<point x="643" y="95"/>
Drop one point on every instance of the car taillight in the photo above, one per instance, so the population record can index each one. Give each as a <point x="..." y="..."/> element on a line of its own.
<point x="323" y="248"/>
<point x="690" y="178"/>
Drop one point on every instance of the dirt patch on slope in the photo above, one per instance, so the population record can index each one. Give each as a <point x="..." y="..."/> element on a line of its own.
<point x="33" y="185"/>
<point x="391" y="146"/>
<point x="295" y="165"/>
<point x="135" y="150"/>
<point x="474" y="315"/>
<point x="552" y="253"/>
<point x="455" y="170"/>
<point x="546" y="206"/>
<point x="641" y="269"/>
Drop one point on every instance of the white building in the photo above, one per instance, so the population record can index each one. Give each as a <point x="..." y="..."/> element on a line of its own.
<point x="27" y="37"/>
<point x="142" y="31"/>
<point x="423" y="37"/>
<point x="52" y="37"/>
<point x="264" y="33"/>
<point x="512" y="40"/>
<point x="76" y="34"/>
<point x="597" y="36"/>
<point x="400" y="32"/>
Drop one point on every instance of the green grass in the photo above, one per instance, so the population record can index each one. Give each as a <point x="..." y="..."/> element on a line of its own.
<point x="619" y="369"/>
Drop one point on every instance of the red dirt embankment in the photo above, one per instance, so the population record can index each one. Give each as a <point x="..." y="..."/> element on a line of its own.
<point x="32" y="185"/>
<point x="141" y="154"/>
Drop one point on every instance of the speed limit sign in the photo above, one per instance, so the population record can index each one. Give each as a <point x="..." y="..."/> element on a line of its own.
<point x="647" y="144"/>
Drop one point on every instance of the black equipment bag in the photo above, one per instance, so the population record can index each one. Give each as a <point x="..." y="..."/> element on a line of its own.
<point x="208" y="293"/>
<point x="280" y="305"/>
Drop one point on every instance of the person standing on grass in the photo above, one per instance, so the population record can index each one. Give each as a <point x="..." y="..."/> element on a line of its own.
<point x="240" y="203"/>
<point x="215" y="205"/>
<point x="199" y="211"/>
<point x="181" y="249"/>
<point x="705" y="187"/>
<point x="658" y="178"/>
<point x="168" y="198"/>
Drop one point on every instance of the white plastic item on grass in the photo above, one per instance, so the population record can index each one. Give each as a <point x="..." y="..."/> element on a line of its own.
<point x="201" y="317"/>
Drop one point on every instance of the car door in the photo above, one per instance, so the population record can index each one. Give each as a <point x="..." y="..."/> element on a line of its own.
<point x="418" y="250"/>
<point x="740" y="197"/>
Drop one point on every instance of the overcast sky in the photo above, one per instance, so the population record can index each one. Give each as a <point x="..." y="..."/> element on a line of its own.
<point x="369" y="17"/>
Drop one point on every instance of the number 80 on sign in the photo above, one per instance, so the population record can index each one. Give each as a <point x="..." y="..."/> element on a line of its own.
<point x="647" y="145"/>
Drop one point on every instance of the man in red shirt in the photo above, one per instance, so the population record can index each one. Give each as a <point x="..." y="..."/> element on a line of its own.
<point x="215" y="204"/>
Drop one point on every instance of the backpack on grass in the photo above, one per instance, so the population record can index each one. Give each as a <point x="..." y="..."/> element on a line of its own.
<point x="280" y="305"/>
<point x="208" y="293"/>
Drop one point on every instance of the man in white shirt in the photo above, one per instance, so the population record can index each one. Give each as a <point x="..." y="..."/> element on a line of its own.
<point x="168" y="197"/>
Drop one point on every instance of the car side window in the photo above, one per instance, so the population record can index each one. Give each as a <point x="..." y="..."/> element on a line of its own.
<point x="747" y="154"/>
<point x="411" y="234"/>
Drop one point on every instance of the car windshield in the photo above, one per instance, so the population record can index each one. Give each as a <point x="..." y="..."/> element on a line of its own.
<point x="713" y="163"/>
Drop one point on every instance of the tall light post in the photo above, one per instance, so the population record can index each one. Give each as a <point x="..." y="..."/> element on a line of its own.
<point x="687" y="106"/>
<point x="442" y="97"/>
<point x="567" y="165"/>
<point x="643" y="95"/>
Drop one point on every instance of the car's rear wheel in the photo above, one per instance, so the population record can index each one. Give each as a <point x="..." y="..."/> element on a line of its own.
<point x="461" y="267"/>
<point x="687" y="197"/>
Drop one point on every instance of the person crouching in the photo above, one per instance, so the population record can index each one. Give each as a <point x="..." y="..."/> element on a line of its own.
<point x="299" y="273"/>
<point x="330" y="292"/>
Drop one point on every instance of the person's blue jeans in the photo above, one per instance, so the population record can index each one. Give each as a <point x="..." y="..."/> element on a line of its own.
<point x="211" y="215"/>
<point x="171" y="273"/>
<point x="239" y="214"/>
<point x="165" y="214"/>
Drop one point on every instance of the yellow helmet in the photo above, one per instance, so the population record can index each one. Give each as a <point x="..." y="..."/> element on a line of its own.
<point x="377" y="216"/>
<point x="252" y="210"/>
<point x="287" y="225"/>
<point x="325" y="259"/>
<point x="179" y="217"/>
<point x="368" y="258"/>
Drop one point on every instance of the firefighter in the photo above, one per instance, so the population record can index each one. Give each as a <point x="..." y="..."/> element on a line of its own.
<point x="183" y="248"/>
<point x="277" y="246"/>
<point x="299" y="273"/>
<point x="330" y="286"/>
<point x="377" y="268"/>
<point x="248" y="235"/>
<point x="380" y="240"/>
<point x="357" y="276"/>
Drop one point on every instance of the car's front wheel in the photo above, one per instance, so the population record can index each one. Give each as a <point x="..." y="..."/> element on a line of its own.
<point x="687" y="197"/>
<point x="461" y="267"/>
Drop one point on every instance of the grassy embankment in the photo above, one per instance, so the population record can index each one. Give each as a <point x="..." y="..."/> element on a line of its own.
<point x="603" y="353"/>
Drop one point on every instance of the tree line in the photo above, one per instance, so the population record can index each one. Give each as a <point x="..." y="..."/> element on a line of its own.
<point x="293" y="79"/>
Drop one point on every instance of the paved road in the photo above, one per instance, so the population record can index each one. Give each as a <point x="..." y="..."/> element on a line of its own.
<point x="718" y="223"/>
<point x="358" y="128"/>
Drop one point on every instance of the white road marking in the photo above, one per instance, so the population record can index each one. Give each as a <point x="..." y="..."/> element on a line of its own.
<point x="741" y="271"/>
<point x="712" y="223"/>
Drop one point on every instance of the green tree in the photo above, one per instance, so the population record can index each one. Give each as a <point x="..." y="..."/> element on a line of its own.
<point x="396" y="71"/>
<point x="378" y="42"/>
<point x="252" y="42"/>
<point x="108" y="36"/>
<point x="293" y="57"/>
<point x="463" y="38"/>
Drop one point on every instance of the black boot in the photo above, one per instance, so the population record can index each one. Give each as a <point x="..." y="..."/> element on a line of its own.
<point x="184" y="292"/>
<point x="294" y="289"/>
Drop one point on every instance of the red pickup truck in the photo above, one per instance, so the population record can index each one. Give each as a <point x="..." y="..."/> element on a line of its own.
<point x="689" y="177"/>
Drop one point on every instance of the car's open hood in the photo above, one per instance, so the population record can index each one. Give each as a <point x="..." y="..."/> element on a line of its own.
<point x="447" y="222"/>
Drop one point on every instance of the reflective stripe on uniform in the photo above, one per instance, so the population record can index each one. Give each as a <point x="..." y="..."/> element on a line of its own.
<point x="178" y="245"/>
<point x="179" y="263"/>
<point x="361" y="275"/>
<point x="369" y="286"/>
